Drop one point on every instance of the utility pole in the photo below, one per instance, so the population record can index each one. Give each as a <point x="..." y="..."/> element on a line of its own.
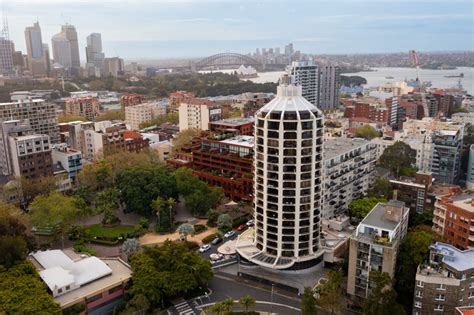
<point x="271" y="299"/>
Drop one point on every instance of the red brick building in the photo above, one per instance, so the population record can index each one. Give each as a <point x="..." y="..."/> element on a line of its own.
<point x="241" y="126"/>
<point x="131" y="99"/>
<point x="454" y="218"/>
<point x="445" y="101"/>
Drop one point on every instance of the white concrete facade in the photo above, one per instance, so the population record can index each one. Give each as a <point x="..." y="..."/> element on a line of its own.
<point x="141" y="113"/>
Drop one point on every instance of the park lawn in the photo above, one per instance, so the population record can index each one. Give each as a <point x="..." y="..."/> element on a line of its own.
<point x="97" y="230"/>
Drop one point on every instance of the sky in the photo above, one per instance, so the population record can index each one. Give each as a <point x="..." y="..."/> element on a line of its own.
<point x="155" y="29"/>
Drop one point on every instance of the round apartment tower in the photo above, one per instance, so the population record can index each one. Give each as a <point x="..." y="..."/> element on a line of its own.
<point x="288" y="176"/>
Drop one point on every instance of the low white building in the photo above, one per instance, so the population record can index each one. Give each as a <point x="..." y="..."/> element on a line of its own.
<point x="349" y="166"/>
<point x="463" y="118"/>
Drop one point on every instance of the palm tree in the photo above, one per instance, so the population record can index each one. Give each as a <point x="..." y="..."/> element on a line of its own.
<point x="247" y="302"/>
<point x="227" y="305"/>
<point x="158" y="204"/>
<point x="170" y="202"/>
<point x="217" y="308"/>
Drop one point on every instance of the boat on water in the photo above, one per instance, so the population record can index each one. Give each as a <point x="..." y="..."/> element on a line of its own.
<point x="416" y="83"/>
<point x="389" y="77"/>
<point x="461" y="75"/>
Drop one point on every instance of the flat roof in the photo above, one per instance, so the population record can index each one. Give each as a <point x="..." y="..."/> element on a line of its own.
<point x="232" y="122"/>
<point x="243" y="141"/>
<point x="458" y="259"/>
<point x="338" y="146"/>
<point x="376" y="216"/>
<point x="463" y="201"/>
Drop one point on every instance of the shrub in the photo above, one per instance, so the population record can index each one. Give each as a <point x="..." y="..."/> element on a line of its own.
<point x="225" y="228"/>
<point x="210" y="238"/>
<point x="239" y="221"/>
<point x="191" y="245"/>
<point x="104" y="242"/>
<point x="212" y="217"/>
<point x="165" y="229"/>
<point x="144" y="223"/>
<point x="198" y="228"/>
<point x="110" y="218"/>
<point x="80" y="247"/>
<point x="76" y="233"/>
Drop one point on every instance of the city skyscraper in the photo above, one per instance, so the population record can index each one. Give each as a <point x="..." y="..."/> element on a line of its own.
<point x="306" y="75"/>
<point x="6" y="55"/>
<point x="71" y="36"/>
<point x="329" y="85"/>
<point x="94" y="55"/>
<point x="287" y="173"/>
<point x="62" y="50"/>
<point x="34" y="47"/>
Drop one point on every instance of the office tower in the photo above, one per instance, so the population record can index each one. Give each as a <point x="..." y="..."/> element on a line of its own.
<point x="329" y="85"/>
<point x="288" y="177"/>
<point x="94" y="52"/>
<point x="197" y="113"/>
<point x="47" y="58"/>
<point x="62" y="50"/>
<point x="289" y="50"/>
<point x="113" y="66"/>
<point x="6" y="55"/>
<point x="41" y="115"/>
<point x="71" y="35"/>
<point x="306" y="75"/>
<point x="445" y="282"/>
<point x="375" y="245"/>
<point x="34" y="46"/>
<point x="470" y="169"/>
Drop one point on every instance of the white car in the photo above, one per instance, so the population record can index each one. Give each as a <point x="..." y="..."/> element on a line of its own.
<point x="229" y="234"/>
<point x="250" y="223"/>
<point x="216" y="257"/>
<point x="204" y="248"/>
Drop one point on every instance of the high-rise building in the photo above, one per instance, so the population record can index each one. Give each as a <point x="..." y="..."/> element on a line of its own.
<point x="288" y="179"/>
<point x="47" y="59"/>
<point x="6" y="55"/>
<point x="470" y="169"/>
<point x="71" y="36"/>
<point x="69" y="159"/>
<point x="445" y="282"/>
<point x="329" y="86"/>
<point x="197" y="113"/>
<point x="94" y="52"/>
<point x="446" y="153"/>
<point x="375" y="245"/>
<point x="138" y="114"/>
<point x="34" y="47"/>
<point x="113" y="66"/>
<point x="306" y="75"/>
<point x="87" y="107"/>
<point x="41" y="115"/>
<point x="62" y="50"/>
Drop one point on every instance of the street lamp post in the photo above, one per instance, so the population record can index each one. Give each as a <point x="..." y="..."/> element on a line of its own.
<point x="271" y="299"/>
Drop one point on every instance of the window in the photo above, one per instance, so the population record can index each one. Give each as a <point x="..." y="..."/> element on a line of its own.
<point x="419" y="294"/>
<point x="441" y="287"/>
<point x="418" y="304"/>
<point x="439" y="307"/>
<point x="60" y="290"/>
<point x="115" y="289"/>
<point x="440" y="297"/>
<point x="68" y="287"/>
<point x="471" y="285"/>
<point x="471" y="295"/>
<point x="94" y="298"/>
<point x="419" y="283"/>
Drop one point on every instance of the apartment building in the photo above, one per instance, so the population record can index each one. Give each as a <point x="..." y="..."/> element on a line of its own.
<point x="41" y="116"/>
<point x="141" y="113"/>
<point x="178" y="97"/>
<point x="447" y="145"/>
<point x="375" y="245"/>
<point x="30" y="156"/>
<point x="307" y="75"/>
<point x="226" y="162"/>
<point x="87" y="107"/>
<point x="444" y="284"/>
<point x="349" y="166"/>
<point x="131" y="99"/>
<point x="329" y="86"/>
<point x="454" y="218"/>
<point x="415" y="190"/>
<point x="240" y="126"/>
<point x="198" y="113"/>
<point x="69" y="159"/>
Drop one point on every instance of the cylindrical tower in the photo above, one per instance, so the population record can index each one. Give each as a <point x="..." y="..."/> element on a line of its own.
<point x="288" y="174"/>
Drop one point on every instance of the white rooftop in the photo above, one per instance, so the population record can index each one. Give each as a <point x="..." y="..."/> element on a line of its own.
<point x="458" y="259"/>
<point x="288" y="98"/>
<point x="60" y="270"/>
<point x="243" y="141"/>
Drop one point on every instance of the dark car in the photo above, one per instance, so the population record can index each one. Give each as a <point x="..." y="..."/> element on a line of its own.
<point x="216" y="241"/>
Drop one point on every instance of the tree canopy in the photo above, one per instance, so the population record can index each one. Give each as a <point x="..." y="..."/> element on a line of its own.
<point x="382" y="297"/>
<point x="397" y="156"/>
<point x="381" y="188"/>
<point x="330" y="293"/>
<point x="359" y="208"/>
<point x="167" y="271"/>
<point x="111" y="114"/>
<point x="367" y="132"/>
<point x="308" y="302"/>
<point x="23" y="292"/>
<point x="171" y="117"/>
<point x="140" y="185"/>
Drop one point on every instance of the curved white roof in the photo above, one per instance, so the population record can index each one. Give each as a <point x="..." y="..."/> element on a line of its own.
<point x="288" y="98"/>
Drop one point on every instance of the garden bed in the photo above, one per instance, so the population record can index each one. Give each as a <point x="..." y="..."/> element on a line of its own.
<point x="99" y="231"/>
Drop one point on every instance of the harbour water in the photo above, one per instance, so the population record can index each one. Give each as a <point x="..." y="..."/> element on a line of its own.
<point x="379" y="76"/>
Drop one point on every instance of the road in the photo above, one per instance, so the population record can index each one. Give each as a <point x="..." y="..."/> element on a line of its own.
<point x="215" y="247"/>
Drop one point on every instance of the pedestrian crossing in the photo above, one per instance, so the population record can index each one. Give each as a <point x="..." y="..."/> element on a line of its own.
<point x="184" y="308"/>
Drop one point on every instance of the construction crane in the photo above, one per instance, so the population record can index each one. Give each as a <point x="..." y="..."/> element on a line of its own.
<point x="416" y="63"/>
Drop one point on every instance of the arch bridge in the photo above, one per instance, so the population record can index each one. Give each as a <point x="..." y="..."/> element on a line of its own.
<point x="226" y="59"/>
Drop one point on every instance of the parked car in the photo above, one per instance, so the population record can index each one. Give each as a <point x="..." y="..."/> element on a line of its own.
<point x="216" y="241"/>
<point x="229" y="234"/>
<point x="249" y="223"/>
<point x="241" y="227"/>
<point x="204" y="248"/>
<point x="216" y="256"/>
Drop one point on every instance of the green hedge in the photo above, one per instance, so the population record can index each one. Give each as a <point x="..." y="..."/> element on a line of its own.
<point x="239" y="221"/>
<point x="210" y="238"/>
<point x="104" y="242"/>
<point x="199" y="228"/>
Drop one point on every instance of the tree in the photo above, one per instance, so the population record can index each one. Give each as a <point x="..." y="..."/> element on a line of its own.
<point x="381" y="188"/>
<point x="367" y="132"/>
<point x="53" y="211"/>
<point x="97" y="85"/>
<point x="167" y="271"/>
<point x="171" y="117"/>
<point x="212" y="217"/>
<point x="164" y="212"/>
<point x="308" y="303"/>
<point x="382" y="297"/>
<point x="247" y="302"/>
<point x="359" y="208"/>
<point x="111" y="114"/>
<point x="130" y="246"/>
<point x="227" y="305"/>
<point x="397" y="156"/>
<point x="413" y="251"/>
<point x="184" y="138"/>
<point x="30" y="188"/>
<point x="69" y="118"/>
<point x="23" y="292"/>
<point x="140" y="185"/>
<point x="217" y="308"/>
<point x="330" y="293"/>
<point x="185" y="230"/>
<point x="224" y="220"/>
<point x="137" y="305"/>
